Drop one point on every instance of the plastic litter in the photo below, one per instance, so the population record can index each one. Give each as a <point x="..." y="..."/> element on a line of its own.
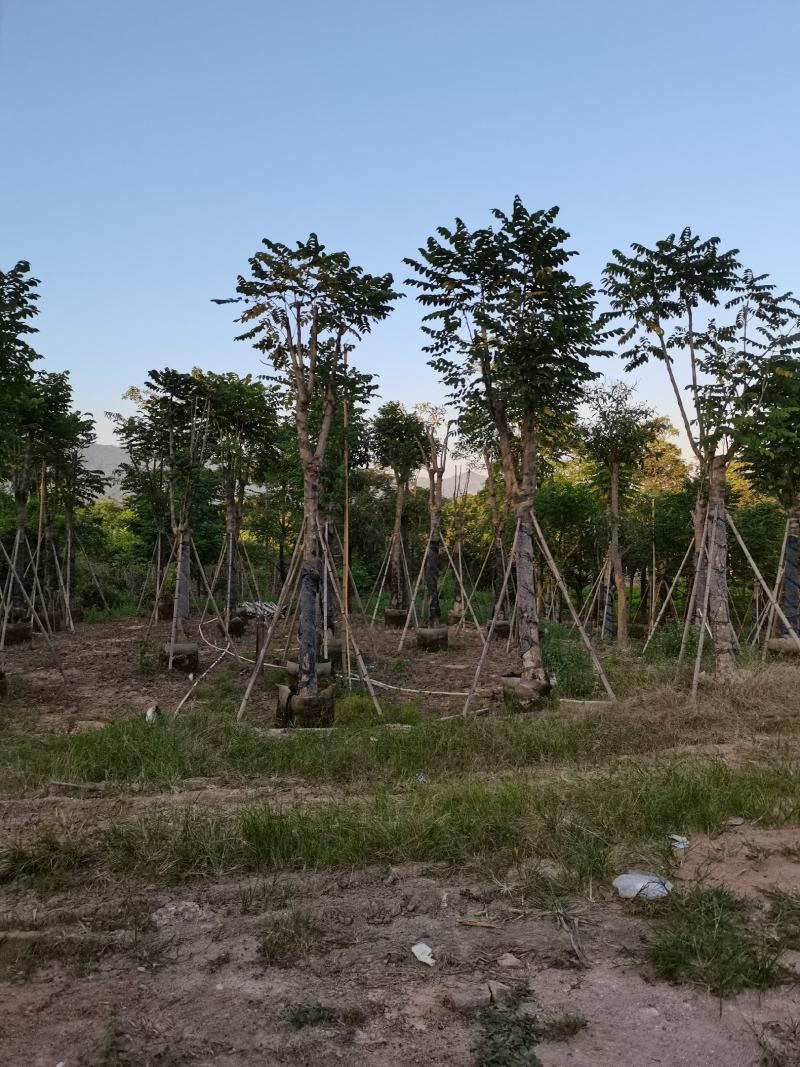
<point x="641" y="884"/>
<point x="424" y="953"/>
<point x="680" y="846"/>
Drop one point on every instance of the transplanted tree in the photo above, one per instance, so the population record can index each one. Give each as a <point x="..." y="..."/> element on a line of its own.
<point x="667" y="297"/>
<point x="305" y="308"/>
<point x="511" y="330"/>
<point x="396" y="434"/>
<point x="616" y="439"/>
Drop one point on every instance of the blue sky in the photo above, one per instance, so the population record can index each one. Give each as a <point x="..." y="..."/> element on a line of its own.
<point x="149" y="146"/>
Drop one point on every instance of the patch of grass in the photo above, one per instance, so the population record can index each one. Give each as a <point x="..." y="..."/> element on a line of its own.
<point x="507" y="1039"/>
<point x="45" y="863"/>
<point x="562" y="1027"/>
<point x="266" y="894"/>
<point x="589" y="824"/>
<point x="123" y="1046"/>
<point x="355" y="710"/>
<point x="779" y="1044"/>
<point x="706" y="937"/>
<point x="22" y="957"/>
<point x="286" y="940"/>
<point x="325" y="1015"/>
<point x="783" y="915"/>
<point x="208" y="742"/>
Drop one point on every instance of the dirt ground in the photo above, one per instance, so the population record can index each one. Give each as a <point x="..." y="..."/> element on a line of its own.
<point x="146" y="974"/>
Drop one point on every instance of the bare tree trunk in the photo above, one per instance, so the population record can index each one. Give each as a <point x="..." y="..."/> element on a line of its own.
<point x="432" y="570"/>
<point x="233" y="527"/>
<point x="527" y="617"/>
<point x="700" y="568"/>
<point x="615" y="557"/>
<point x="183" y="579"/>
<point x="397" y="588"/>
<point x="310" y="578"/>
<point x="717" y="573"/>
<point x="791" y="574"/>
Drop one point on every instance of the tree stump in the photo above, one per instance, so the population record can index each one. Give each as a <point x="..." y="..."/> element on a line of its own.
<point x="236" y="626"/>
<point x="520" y="696"/>
<point x="395" y="618"/>
<point x="502" y="628"/>
<point x="432" y="638"/>
<point x="185" y="657"/>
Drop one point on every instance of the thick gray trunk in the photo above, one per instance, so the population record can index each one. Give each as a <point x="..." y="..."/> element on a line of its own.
<point x="397" y="588"/>
<point x="718" y="607"/>
<point x="310" y="580"/>
<point x="791" y="577"/>
<point x="527" y="616"/>
<point x="233" y="578"/>
<point x="432" y="576"/>
<point x="183" y="581"/>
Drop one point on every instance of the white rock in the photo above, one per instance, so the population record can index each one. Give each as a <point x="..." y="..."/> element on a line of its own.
<point x="509" y="961"/>
<point x="424" y="953"/>
<point x="499" y="992"/>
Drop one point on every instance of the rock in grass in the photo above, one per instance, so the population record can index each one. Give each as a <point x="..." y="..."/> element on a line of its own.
<point x="509" y="961"/>
<point x="469" y="1001"/>
<point x="499" y="992"/>
<point x="642" y="885"/>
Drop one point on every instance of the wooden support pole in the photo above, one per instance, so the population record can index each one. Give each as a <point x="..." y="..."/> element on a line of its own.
<point x="414" y="594"/>
<point x="706" y="597"/>
<point x="35" y="617"/>
<point x="598" y="666"/>
<point x="664" y="606"/>
<point x="464" y="593"/>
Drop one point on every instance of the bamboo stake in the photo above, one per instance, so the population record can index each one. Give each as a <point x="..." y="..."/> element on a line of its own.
<point x="35" y="617"/>
<point x="464" y="593"/>
<point x="362" y="669"/>
<point x="210" y="594"/>
<point x="159" y="591"/>
<point x="598" y="666"/>
<point x="12" y="574"/>
<point x="38" y="585"/>
<point x="407" y="574"/>
<point x="663" y="610"/>
<point x="487" y="642"/>
<point x="692" y="596"/>
<point x="792" y="633"/>
<point x="414" y="594"/>
<point x="268" y="638"/>
<point x="384" y="571"/>
<point x="67" y="611"/>
<point x="775" y="592"/>
<point x="94" y="576"/>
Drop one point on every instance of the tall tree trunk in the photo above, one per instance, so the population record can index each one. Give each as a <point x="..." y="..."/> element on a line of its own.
<point x="717" y="573"/>
<point x="233" y="529"/>
<point x="698" y="522"/>
<point x="615" y="557"/>
<point x="183" y="579"/>
<point x="527" y="616"/>
<point x="397" y="587"/>
<point x="605" y="604"/>
<point x="310" y="579"/>
<point x="432" y="569"/>
<point x="791" y="574"/>
<point x="499" y="573"/>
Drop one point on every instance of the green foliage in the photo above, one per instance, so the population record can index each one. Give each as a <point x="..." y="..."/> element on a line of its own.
<point x="507" y="1039"/>
<point x="288" y="938"/>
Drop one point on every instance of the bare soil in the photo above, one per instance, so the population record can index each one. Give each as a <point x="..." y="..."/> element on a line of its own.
<point x="146" y="974"/>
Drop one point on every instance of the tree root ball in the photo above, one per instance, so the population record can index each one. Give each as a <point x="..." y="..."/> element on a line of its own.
<point x="236" y="626"/>
<point x="432" y="638"/>
<point x="17" y="633"/>
<point x="185" y="657"/>
<point x="502" y="628"/>
<point x="784" y="646"/>
<point x="305" y="711"/>
<point x="395" y="618"/>
<point x="521" y="696"/>
<point x="324" y="668"/>
<point x="454" y="618"/>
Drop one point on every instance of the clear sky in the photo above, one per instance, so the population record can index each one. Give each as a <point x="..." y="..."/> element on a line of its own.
<point x="148" y="146"/>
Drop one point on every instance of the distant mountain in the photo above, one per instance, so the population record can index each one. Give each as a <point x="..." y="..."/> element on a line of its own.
<point x="106" y="458"/>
